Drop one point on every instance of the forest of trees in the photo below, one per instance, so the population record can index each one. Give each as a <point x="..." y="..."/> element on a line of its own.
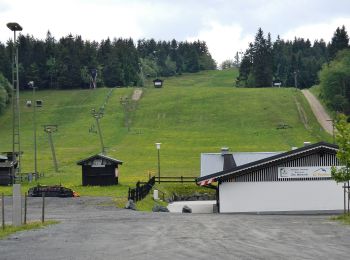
<point x="66" y="63"/>
<point x="293" y="63"/>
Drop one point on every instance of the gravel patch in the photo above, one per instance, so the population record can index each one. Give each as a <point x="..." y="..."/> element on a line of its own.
<point x="91" y="228"/>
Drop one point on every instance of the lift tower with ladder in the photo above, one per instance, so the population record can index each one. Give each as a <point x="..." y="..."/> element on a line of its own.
<point x="16" y="143"/>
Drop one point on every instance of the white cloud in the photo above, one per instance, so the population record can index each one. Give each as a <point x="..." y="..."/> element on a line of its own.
<point x="226" y="25"/>
<point x="317" y="31"/>
<point x="223" y="41"/>
<point x="91" y="20"/>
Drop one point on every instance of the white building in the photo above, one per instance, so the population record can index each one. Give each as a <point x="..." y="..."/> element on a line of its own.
<point x="295" y="181"/>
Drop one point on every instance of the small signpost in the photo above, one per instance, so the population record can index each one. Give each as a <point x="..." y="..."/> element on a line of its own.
<point x="277" y="83"/>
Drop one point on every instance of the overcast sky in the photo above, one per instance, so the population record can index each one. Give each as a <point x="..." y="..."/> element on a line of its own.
<point x="226" y="25"/>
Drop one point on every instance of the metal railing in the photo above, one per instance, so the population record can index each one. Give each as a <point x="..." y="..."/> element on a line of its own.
<point x="180" y="179"/>
<point x="142" y="189"/>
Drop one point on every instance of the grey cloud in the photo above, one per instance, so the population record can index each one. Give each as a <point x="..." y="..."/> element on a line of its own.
<point x="273" y="16"/>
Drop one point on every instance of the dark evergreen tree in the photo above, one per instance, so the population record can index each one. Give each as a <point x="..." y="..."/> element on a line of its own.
<point x="340" y="41"/>
<point x="262" y="60"/>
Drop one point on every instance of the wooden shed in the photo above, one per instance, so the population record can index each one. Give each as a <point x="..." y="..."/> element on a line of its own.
<point x="7" y="170"/>
<point x="158" y="83"/>
<point x="99" y="170"/>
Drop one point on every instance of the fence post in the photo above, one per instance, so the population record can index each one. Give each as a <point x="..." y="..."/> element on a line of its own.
<point x="25" y="208"/>
<point x="43" y="208"/>
<point x="3" y="211"/>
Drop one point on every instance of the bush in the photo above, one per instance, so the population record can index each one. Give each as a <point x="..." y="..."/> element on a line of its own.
<point x="335" y="82"/>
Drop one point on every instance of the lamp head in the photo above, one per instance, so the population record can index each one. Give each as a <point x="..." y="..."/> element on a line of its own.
<point x="14" y="27"/>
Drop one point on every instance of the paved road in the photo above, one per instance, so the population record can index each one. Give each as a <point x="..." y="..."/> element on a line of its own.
<point x="94" y="229"/>
<point x="319" y="112"/>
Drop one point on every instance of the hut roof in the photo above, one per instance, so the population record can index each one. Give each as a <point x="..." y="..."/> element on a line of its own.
<point x="99" y="156"/>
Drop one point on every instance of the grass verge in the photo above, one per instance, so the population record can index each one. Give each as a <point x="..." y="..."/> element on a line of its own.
<point x="345" y="218"/>
<point x="9" y="229"/>
<point x="148" y="203"/>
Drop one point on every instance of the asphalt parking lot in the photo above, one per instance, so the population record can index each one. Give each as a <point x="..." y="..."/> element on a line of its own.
<point x="92" y="228"/>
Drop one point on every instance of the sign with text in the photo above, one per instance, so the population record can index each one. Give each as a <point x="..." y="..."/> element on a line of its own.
<point x="97" y="163"/>
<point x="304" y="172"/>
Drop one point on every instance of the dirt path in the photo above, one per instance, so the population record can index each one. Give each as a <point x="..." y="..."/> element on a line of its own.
<point x="320" y="113"/>
<point x="136" y="95"/>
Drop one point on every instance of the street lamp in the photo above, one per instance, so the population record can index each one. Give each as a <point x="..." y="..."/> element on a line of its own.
<point x="158" y="149"/>
<point x="16" y="146"/>
<point x="31" y="85"/>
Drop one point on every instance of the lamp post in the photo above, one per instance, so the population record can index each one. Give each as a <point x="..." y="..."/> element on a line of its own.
<point x="31" y="85"/>
<point x="16" y="146"/>
<point x="158" y="149"/>
<point x="296" y="79"/>
<point x="155" y="60"/>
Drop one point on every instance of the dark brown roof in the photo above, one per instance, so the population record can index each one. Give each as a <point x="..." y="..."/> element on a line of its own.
<point x="246" y="168"/>
<point x="98" y="156"/>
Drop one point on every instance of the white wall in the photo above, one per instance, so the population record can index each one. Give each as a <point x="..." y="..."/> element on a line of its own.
<point x="280" y="196"/>
<point x="201" y="206"/>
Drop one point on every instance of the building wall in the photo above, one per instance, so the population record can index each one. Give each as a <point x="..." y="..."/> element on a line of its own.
<point x="312" y="195"/>
<point x="99" y="175"/>
<point x="270" y="173"/>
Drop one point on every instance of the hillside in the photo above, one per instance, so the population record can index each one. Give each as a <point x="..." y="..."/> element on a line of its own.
<point x="193" y="113"/>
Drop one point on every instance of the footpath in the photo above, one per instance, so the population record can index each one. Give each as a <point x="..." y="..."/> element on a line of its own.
<point x="320" y="113"/>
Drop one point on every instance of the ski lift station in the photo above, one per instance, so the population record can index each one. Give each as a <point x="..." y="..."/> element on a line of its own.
<point x="8" y="168"/>
<point x="99" y="170"/>
<point x="296" y="181"/>
<point x="158" y="83"/>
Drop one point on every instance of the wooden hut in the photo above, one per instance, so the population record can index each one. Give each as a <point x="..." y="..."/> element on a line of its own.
<point x="99" y="170"/>
<point x="158" y="83"/>
<point x="7" y="169"/>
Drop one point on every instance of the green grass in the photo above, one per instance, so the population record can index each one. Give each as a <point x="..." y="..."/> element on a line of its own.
<point x="193" y="113"/>
<point x="345" y="219"/>
<point x="9" y="229"/>
<point x="210" y="78"/>
<point x="148" y="203"/>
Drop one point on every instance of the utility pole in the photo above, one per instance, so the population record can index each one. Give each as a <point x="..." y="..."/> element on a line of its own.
<point x="16" y="144"/>
<point x="49" y="129"/>
<point x="296" y="79"/>
<point x="158" y="150"/>
<point x="98" y="116"/>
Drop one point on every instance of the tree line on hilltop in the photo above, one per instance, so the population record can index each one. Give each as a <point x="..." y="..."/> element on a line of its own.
<point x="292" y="63"/>
<point x="67" y="63"/>
<point x="301" y="64"/>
